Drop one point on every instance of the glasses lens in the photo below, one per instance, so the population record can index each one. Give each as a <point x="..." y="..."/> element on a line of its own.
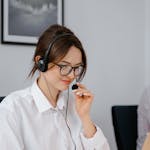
<point x="78" y="70"/>
<point x="65" y="70"/>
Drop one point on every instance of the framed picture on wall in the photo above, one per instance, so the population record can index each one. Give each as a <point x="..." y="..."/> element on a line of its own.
<point x="24" y="20"/>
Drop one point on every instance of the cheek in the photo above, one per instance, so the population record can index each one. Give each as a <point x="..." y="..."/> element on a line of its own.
<point x="53" y="75"/>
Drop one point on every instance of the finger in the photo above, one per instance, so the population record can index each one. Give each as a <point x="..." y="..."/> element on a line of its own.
<point x="81" y="86"/>
<point x="80" y="90"/>
<point x="83" y="93"/>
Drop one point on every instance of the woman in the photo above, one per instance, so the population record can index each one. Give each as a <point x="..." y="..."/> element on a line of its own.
<point x="46" y="116"/>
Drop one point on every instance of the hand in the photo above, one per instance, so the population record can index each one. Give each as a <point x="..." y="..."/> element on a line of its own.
<point x="84" y="100"/>
<point x="146" y="145"/>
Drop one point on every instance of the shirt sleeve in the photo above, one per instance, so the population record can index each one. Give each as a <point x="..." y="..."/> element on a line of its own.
<point x="9" y="136"/>
<point x="97" y="142"/>
<point x="143" y="118"/>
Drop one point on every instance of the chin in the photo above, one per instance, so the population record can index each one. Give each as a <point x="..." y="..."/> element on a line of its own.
<point x="63" y="88"/>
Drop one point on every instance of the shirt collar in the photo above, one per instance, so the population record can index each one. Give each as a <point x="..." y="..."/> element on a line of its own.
<point x="42" y="102"/>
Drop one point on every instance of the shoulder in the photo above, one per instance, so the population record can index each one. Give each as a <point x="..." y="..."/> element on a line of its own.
<point x="144" y="104"/>
<point x="13" y="100"/>
<point x="145" y="95"/>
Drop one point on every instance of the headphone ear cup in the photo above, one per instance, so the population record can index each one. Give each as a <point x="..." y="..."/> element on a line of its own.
<point x="42" y="65"/>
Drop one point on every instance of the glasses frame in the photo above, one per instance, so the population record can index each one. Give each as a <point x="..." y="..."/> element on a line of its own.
<point x="71" y="68"/>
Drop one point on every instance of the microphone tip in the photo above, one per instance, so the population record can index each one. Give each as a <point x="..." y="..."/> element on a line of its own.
<point x="74" y="86"/>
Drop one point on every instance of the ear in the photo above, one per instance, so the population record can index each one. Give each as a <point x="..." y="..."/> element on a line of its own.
<point x="37" y="58"/>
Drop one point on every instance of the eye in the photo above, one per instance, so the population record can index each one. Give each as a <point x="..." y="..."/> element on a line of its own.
<point x="63" y="66"/>
<point x="79" y="67"/>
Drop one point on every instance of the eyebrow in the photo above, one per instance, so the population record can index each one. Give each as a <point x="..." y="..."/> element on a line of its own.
<point x="70" y="63"/>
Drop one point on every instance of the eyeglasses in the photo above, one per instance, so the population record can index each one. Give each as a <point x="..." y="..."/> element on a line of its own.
<point x="67" y="69"/>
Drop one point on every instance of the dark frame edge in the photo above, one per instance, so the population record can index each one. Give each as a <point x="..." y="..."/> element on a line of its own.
<point x="19" y="43"/>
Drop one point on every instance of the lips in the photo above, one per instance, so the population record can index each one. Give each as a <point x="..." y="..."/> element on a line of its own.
<point x="66" y="81"/>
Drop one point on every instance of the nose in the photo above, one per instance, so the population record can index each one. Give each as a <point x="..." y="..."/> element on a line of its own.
<point x="71" y="74"/>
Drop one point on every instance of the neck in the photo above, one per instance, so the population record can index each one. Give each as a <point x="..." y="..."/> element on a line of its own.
<point x="50" y="92"/>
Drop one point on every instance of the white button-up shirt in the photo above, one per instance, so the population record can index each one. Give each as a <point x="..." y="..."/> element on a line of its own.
<point x="29" y="122"/>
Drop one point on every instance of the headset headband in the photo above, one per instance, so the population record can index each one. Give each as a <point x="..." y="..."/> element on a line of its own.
<point x="43" y="62"/>
<point x="52" y="43"/>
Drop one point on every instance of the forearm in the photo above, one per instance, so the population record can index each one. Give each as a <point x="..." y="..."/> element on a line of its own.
<point x="92" y="136"/>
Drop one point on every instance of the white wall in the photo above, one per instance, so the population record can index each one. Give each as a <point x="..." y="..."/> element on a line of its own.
<point x="113" y="34"/>
<point x="147" y="43"/>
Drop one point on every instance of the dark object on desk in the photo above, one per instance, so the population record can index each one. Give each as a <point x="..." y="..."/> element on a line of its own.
<point x="125" y="126"/>
<point x="1" y="98"/>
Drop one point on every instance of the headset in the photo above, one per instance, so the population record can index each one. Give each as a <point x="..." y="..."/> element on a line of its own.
<point x="42" y="64"/>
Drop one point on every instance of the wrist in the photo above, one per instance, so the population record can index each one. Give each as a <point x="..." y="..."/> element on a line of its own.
<point x="89" y="128"/>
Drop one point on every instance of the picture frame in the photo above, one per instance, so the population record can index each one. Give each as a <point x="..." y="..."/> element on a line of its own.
<point x="24" y="20"/>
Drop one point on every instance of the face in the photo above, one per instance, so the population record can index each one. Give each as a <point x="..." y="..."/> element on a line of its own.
<point x="54" y="78"/>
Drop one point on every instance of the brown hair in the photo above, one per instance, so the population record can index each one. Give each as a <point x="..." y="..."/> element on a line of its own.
<point x="60" y="47"/>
